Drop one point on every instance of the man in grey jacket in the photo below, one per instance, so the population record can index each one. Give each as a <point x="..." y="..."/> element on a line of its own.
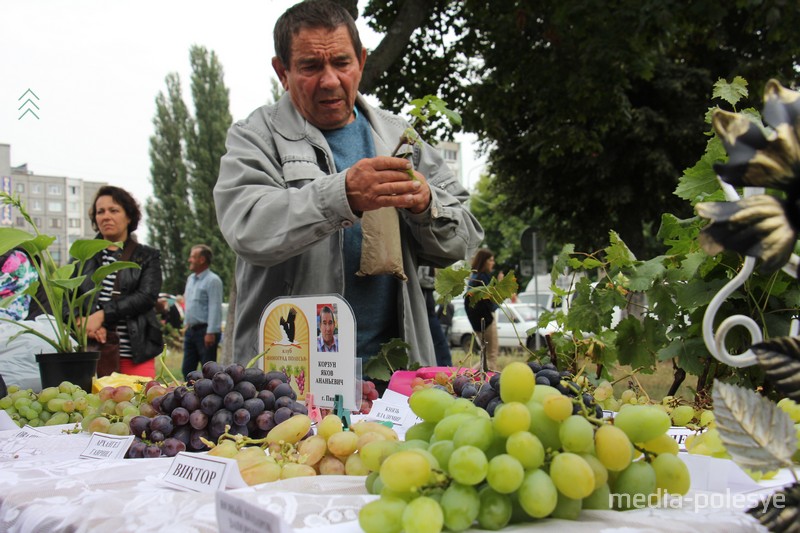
<point x="298" y="176"/>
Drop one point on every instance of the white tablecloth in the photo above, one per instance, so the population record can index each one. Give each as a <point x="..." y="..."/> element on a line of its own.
<point x="51" y="491"/>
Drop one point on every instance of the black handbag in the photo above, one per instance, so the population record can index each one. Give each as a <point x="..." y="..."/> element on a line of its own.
<point x="109" y="354"/>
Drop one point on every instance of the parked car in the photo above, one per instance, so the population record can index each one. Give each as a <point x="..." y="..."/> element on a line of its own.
<point x="543" y="299"/>
<point x="511" y="329"/>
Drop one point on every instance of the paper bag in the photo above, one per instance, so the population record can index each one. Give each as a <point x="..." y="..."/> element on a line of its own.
<point x="381" y="252"/>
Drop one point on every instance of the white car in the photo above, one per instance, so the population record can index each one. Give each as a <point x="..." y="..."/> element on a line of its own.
<point x="543" y="299"/>
<point x="511" y="330"/>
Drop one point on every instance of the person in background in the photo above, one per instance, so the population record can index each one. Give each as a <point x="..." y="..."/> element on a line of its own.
<point x="168" y="312"/>
<point x="18" y="364"/>
<point x="445" y="316"/>
<point x="123" y="321"/>
<point x="481" y="315"/>
<point x="299" y="175"/>
<point x="441" y="348"/>
<point x="203" y="313"/>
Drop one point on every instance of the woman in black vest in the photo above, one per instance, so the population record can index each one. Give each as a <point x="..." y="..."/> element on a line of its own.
<point x="124" y="324"/>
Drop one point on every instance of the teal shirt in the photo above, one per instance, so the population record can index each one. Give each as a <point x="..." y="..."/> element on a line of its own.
<point x="373" y="298"/>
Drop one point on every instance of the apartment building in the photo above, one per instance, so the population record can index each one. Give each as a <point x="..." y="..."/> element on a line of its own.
<point x="451" y="151"/>
<point x="58" y="205"/>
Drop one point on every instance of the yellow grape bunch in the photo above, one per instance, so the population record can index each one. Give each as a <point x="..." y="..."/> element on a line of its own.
<point x="288" y="450"/>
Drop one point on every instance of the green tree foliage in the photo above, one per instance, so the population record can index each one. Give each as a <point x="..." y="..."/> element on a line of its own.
<point x="184" y="154"/>
<point x="589" y="111"/>
<point x="677" y="285"/>
<point x="663" y="300"/>
<point x="502" y="232"/>
<point x="205" y="145"/>
<point x="168" y="212"/>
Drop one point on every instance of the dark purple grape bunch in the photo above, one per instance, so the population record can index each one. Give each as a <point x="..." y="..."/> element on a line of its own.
<point x="248" y="401"/>
<point x="155" y="437"/>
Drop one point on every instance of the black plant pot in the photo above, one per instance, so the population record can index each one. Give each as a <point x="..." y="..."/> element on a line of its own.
<point x="77" y="367"/>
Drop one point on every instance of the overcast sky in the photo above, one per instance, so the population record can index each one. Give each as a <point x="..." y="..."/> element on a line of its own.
<point x="97" y="66"/>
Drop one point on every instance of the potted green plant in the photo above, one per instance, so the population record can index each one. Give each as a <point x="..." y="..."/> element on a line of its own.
<point x="58" y="287"/>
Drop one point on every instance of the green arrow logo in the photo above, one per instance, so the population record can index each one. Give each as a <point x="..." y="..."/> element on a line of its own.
<point x="28" y="104"/>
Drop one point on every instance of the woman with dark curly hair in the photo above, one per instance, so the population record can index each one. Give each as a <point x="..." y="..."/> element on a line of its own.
<point x="123" y="323"/>
<point x="481" y="314"/>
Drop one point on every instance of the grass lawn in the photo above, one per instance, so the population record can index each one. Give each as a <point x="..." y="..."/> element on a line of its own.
<point x="173" y="361"/>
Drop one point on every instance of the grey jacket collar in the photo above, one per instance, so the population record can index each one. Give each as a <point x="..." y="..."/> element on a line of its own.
<point x="290" y="124"/>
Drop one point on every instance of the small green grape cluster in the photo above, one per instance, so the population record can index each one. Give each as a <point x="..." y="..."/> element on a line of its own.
<point x="65" y="404"/>
<point x="604" y="395"/>
<point x="533" y="458"/>
<point x="709" y="442"/>
<point x="683" y="414"/>
<point x="792" y="408"/>
<point x="680" y="412"/>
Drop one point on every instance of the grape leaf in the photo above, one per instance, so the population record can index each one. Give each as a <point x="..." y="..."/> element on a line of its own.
<point x="646" y="274"/>
<point x="507" y="287"/>
<point x="591" y="263"/>
<point x="792" y="297"/>
<point x="637" y="342"/>
<point x="583" y="315"/>
<point x="691" y="264"/>
<point x="438" y="106"/>
<point x="662" y="302"/>
<point x="450" y="283"/>
<point x="685" y="350"/>
<point x="731" y="92"/>
<point x="676" y="234"/>
<point x="393" y="356"/>
<point x="700" y="181"/>
<point x="561" y="262"/>
<point x="617" y="252"/>
<point x="698" y="292"/>
<point x="756" y="432"/>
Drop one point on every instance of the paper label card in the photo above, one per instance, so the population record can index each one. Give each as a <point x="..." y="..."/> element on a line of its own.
<point x="239" y="516"/>
<point x="199" y="473"/>
<point x="679" y="433"/>
<point x="103" y="446"/>
<point x="386" y="411"/>
<point x="313" y="340"/>
<point x="29" y="431"/>
<point x="6" y="422"/>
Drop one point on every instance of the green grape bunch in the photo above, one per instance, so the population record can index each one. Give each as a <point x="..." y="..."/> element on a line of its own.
<point x="65" y="404"/>
<point x="540" y="454"/>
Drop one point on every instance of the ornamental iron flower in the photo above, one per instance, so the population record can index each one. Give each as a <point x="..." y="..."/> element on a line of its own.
<point x="762" y="226"/>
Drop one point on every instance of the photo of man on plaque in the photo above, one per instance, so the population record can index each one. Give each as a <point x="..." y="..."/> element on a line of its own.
<point x="328" y="339"/>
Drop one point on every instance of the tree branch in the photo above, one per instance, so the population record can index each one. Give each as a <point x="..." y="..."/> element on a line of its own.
<point x="411" y="15"/>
